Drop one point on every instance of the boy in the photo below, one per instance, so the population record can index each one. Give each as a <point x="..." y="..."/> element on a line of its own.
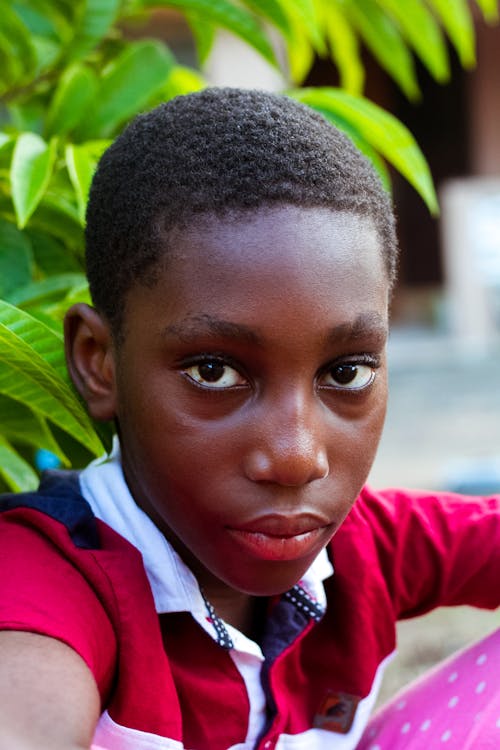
<point x="240" y="254"/>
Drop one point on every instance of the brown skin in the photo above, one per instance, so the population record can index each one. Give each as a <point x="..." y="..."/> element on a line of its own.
<point x="275" y="301"/>
<point x="48" y="696"/>
<point x="250" y="391"/>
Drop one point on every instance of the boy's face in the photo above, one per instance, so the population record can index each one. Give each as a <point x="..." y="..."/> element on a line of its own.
<point x="251" y="391"/>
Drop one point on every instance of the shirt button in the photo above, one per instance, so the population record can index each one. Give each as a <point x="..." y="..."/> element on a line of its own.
<point x="267" y="745"/>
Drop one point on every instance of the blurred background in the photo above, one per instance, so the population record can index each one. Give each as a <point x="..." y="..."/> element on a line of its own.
<point x="442" y="432"/>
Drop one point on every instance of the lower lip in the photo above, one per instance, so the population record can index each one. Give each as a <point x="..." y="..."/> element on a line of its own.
<point x="268" y="547"/>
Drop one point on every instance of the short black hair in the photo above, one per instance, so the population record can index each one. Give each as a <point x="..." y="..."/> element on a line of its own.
<point x="216" y="151"/>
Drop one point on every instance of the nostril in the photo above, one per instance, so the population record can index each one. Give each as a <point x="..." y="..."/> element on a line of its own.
<point x="258" y="467"/>
<point x="287" y="468"/>
<point x="322" y="466"/>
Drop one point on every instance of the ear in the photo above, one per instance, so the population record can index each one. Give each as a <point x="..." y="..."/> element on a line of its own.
<point x="90" y="359"/>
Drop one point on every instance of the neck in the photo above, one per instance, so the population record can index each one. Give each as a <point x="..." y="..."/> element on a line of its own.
<point x="242" y="611"/>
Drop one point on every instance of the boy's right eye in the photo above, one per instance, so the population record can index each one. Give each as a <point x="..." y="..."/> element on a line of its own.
<point x="214" y="374"/>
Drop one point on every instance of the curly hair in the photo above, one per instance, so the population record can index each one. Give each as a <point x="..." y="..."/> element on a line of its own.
<point x="218" y="151"/>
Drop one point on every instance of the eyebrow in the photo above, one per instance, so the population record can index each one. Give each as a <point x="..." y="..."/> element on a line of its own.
<point x="365" y="325"/>
<point x="188" y="329"/>
<point x="195" y="325"/>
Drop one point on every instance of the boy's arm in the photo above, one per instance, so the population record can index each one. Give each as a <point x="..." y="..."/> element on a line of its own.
<point x="49" y="699"/>
<point x="434" y="548"/>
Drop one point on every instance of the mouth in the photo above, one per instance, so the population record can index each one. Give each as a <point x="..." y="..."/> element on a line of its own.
<point x="282" y="538"/>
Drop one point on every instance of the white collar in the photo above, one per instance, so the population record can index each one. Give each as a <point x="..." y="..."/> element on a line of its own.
<point x="174" y="587"/>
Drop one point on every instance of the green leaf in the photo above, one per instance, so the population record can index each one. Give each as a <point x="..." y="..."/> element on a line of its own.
<point x="45" y="314"/>
<point x="16" y="472"/>
<point x="275" y="11"/>
<point x="203" y="34"/>
<point x="11" y="69"/>
<point x="51" y="256"/>
<point x="31" y="361"/>
<point x="300" y="54"/>
<point x="35" y="335"/>
<point x="384" y="40"/>
<point x="46" y="290"/>
<point x="379" y="129"/>
<point x="305" y="16"/>
<point x="457" y="22"/>
<point x="6" y="149"/>
<point x="489" y="9"/>
<point x="31" y="169"/>
<point x="96" y="17"/>
<point x="54" y="222"/>
<point x="344" y="48"/>
<point x="63" y="201"/>
<point x="47" y="53"/>
<point x="55" y="312"/>
<point x="45" y="18"/>
<point x="76" y="89"/>
<point x="16" y="258"/>
<point x="423" y="34"/>
<point x="81" y="163"/>
<point x="181" y="81"/>
<point x="126" y="87"/>
<point x="288" y="16"/>
<point x="228" y="16"/>
<point x="20" y="425"/>
<point x="14" y="30"/>
<point x="4" y="139"/>
<point x="27" y="114"/>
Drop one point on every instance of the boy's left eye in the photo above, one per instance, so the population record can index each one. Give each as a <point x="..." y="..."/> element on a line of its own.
<point x="214" y="373"/>
<point x="348" y="376"/>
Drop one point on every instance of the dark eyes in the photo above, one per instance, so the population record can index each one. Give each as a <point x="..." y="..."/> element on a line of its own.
<point x="349" y="376"/>
<point x="216" y="374"/>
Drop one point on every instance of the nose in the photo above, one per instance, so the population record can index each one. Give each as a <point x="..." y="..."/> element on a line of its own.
<point x="289" y="448"/>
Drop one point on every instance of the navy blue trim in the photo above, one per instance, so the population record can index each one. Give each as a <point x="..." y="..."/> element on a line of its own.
<point x="223" y="637"/>
<point x="289" y="618"/>
<point x="303" y="601"/>
<point x="58" y="496"/>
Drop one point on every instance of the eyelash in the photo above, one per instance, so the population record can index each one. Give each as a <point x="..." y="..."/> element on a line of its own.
<point x="203" y="359"/>
<point x="364" y="360"/>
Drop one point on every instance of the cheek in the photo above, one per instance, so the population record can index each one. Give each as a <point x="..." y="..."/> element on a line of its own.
<point x="375" y="419"/>
<point x="354" y="445"/>
<point x="180" y="458"/>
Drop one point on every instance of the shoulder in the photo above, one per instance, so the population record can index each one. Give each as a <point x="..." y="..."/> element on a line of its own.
<point x="433" y="511"/>
<point x="57" y="501"/>
<point x="426" y="548"/>
<point x="51" y="580"/>
<point x="397" y="527"/>
<point x="53" y="534"/>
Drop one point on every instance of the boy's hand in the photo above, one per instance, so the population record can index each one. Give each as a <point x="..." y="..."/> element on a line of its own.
<point x="48" y="697"/>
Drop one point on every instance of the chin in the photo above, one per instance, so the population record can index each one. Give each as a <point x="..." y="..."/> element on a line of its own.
<point x="271" y="582"/>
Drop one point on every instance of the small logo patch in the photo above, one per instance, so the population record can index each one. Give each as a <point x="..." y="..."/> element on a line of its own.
<point x="337" y="712"/>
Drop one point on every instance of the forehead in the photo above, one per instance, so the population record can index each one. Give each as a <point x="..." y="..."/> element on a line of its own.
<point x="325" y="261"/>
<point x="287" y="235"/>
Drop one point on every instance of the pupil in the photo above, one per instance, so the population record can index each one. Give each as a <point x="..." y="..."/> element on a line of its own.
<point x="345" y="374"/>
<point x="211" y="371"/>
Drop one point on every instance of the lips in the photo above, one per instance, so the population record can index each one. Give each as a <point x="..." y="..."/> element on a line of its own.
<point x="284" y="525"/>
<point x="283" y="538"/>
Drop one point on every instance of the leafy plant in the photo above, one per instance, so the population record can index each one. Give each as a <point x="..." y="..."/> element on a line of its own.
<point x="70" y="78"/>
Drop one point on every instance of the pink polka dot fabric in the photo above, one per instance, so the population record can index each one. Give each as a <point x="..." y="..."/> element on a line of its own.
<point x="456" y="705"/>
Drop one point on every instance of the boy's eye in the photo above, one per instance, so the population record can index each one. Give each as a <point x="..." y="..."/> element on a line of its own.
<point x="348" y="376"/>
<point x="214" y="373"/>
